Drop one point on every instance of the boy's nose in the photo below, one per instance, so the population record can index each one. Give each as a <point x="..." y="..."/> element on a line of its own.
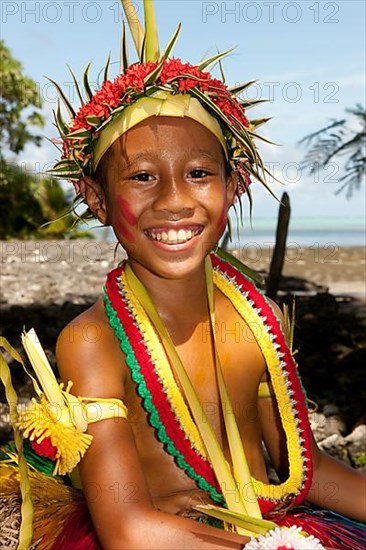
<point x="173" y="196"/>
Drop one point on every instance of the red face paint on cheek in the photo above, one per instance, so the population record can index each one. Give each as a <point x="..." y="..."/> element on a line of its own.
<point x="124" y="218"/>
<point x="122" y="231"/>
<point x="126" y="212"/>
<point x="222" y="219"/>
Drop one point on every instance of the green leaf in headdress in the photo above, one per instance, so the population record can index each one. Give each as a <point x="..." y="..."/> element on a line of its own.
<point x="63" y="97"/>
<point x="206" y="63"/>
<point x="106" y="68"/>
<point x="134" y="25"/>
<point x="79" y="134"/>
<point x="93" y="120"/>
<point x="87" y="88"/>
<point x="169" y="47"/>
<point x="82" y="102"/>
<point x="257" y="122"/>
<point x="242" y="135"/>
<point x="249" y="103"/>
<point x="65" y="169"/>
<point x="151" y="44"/>
<point x="255" y="173"/>
<point x="124" y="63"/>
<point x="60" y="123"/>
<point x="154" y="75"/>
<point x="261" y="138"/>
<point x="235" y="90"/>
<point x="223" y="78"/>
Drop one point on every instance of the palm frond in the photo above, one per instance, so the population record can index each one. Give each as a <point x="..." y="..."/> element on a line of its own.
<point x="339" y="140"/>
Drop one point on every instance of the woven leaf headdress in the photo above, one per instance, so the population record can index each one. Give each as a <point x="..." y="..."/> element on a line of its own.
<point x="156" y="73"/>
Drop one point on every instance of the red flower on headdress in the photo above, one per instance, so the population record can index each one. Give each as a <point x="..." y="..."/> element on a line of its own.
<point x="131" y="85"/>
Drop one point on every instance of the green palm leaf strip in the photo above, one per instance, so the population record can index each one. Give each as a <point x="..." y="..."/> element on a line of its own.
<point x="63" y="97"/>
<point x="289" y="323"/>
<point x="87" y="87"/>
<point x="134" y="25"/>
<point x="240" y="464"/>
<point x="26" y="527"/>
<point x="241" y="137"/>
<point x="250" y="199"/>
<point x="124" y="63"/>
<point x="227" y="257"/>
<point x="65" y="168"/>
<point x="169" y="47"/>
<point x="106" y="68"/>
<point x="151" y="46"/>
<point x="257" y="122"/>
<point x="222" y="469"/>
<point x="259" y="526"/>
<point x="249" y="103"/>
<point x="235" y="90"/>
<point x="261" y="138"/>
<point x="222" y="73"/>
<point x="77" y="87"/>
<point x="154" y="75"/>
<point x="206" y="63"/>
<point x="256" y="175"/>
<point x="60" y="123"/>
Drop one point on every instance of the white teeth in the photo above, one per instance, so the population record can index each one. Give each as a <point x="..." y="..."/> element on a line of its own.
<point x="173" y="236"/>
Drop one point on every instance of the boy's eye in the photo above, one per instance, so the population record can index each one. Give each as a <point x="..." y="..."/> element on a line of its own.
<point x="198" y="174"/>
<point x="142" y="176"/>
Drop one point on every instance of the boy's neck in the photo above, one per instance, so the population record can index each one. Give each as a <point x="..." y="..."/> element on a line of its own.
<point x="183" y="299"/>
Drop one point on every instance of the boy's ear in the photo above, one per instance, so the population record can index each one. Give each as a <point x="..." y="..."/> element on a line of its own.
<point x="231" y="187"/>
<point x="93" y="194"/>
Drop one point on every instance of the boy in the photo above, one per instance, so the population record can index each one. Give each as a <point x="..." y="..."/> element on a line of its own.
<point x="149" y="194"/>
<point x="163" y="173"/>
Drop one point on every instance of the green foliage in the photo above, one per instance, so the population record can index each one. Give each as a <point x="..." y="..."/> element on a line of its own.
<point x="19" y="104"/>
<point x="360" y="459"/>
<point x="31" y="206"/>
<point x="29" y="203"/>
<point x="340" y="139"/>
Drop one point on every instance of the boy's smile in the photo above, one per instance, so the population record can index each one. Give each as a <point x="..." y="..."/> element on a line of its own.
<point x="167" y="196"/>
<point x="173" y="234"/>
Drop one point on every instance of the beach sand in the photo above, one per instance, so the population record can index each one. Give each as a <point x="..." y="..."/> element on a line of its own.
<point x="58" y="271"/>
<point x="45" y="284"/>
<point x="341" y="270"/>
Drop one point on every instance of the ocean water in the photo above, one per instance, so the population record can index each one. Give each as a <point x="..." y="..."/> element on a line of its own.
<point x="309" y="232"/>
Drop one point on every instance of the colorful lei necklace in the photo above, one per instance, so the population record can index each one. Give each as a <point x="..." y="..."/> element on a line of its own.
<point x="168" y="412"/>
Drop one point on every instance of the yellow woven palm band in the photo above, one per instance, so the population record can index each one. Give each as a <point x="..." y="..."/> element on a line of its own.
<point x="161" y="104"/>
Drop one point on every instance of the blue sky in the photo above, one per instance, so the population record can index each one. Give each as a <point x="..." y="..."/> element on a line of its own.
<point x="308" y="57"/>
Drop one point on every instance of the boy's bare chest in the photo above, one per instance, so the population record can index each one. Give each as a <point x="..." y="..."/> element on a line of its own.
<point x="242" y="365"/>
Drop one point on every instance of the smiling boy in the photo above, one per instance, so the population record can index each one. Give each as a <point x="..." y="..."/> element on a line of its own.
<point x="166" y="193"/>
<point x="188" y="345"/>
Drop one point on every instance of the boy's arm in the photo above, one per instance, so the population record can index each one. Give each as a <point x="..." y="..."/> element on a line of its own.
<point x="113" y="479"/>
<point x="335" y="486"/>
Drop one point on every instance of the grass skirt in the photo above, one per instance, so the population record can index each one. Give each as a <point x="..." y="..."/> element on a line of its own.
<point x="62" y="521"/>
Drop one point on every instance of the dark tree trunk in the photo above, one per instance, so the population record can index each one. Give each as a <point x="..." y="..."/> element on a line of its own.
<point x="279" y="250"/>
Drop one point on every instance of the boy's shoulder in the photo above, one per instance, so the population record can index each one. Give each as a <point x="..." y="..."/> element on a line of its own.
<point x="88" y="353"/>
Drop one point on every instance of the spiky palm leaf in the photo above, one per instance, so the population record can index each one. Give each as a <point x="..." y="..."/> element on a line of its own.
<point x="336" y="140"/>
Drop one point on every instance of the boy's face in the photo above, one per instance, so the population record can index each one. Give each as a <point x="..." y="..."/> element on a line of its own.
<point x="167" y="197"/>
